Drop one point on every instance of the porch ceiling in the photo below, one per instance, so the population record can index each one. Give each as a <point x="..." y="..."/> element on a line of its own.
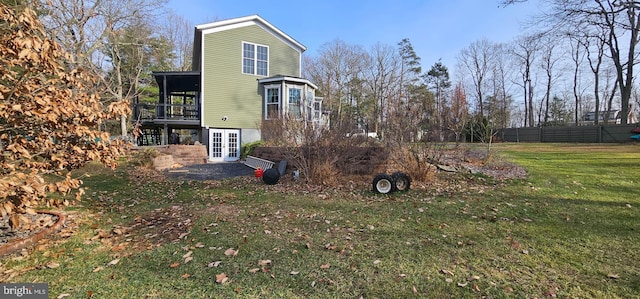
<point x="178" y="81"/>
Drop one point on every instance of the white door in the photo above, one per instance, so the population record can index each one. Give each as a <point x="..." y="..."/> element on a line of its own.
<point x="224" y="145"/>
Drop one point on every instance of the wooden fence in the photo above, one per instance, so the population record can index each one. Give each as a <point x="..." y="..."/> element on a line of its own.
<point x="569" y="134"/>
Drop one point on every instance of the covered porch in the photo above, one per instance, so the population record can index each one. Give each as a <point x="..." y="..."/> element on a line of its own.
<point x="176" y="111"/>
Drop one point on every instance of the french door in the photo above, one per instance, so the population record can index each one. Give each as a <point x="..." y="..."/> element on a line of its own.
<point x="224" y="145"/>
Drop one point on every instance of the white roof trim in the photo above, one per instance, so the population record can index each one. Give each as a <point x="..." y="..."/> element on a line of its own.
<point x="287" y="79"/>
<point x="248" y="21"/>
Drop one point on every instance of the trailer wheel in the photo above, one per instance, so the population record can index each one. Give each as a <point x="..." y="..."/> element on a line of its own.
<point x="271" y="176"/>
<point x="402" y="181"/>
<point x="383" y="183"/>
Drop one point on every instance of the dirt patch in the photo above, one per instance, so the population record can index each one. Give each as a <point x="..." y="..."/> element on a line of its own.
<point x="153" y="229"/>
<point x="479" y="162"/>
<point x="222" y="210"/>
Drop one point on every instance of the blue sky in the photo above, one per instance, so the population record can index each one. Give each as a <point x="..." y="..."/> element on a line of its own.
<point x="437" y="29"/>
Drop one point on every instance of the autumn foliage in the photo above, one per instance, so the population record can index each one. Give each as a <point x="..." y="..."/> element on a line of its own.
<point x="49" y="123"/>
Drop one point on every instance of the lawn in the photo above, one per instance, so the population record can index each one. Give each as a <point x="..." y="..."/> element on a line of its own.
<point x="569" y="230"/>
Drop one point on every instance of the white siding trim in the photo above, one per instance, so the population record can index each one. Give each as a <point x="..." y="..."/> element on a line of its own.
<point x="202" y="94"/>
<point x="248" y="21"/>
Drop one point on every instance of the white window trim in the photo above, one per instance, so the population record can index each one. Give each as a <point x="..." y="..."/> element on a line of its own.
<point x="280" y="101"/>
<point x="255" y="58"/>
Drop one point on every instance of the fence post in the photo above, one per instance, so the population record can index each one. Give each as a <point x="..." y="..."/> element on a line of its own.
<point x="539" y="134"/>
<point x="599" y="133"/>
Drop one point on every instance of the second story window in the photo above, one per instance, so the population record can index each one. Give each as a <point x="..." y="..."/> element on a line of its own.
<point x="255" y="59"/>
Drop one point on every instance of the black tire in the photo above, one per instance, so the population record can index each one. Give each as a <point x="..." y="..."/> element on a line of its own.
<point x="402" y="181"/>
<point x="271" y="176"/>
<point x="383" y="183"/>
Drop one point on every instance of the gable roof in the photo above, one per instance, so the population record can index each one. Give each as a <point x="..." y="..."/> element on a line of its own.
<point x="228" y="24"/>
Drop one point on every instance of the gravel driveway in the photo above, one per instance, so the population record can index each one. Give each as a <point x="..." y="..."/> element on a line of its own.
<point x="210" y="171"/>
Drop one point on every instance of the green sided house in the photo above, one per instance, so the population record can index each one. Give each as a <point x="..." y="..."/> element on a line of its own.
<point x="245" y="72"/>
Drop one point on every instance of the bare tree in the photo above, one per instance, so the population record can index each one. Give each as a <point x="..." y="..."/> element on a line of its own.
<point x="523" y="51"/>
<point x="338" y="64"/>
<point x="459" y="111"/>
<point x="179" y="32"/>
<point x="548" y="61"/>
<point x="618" y="19"/>
<point x="382" y="74"/>
<point x="87" y="29"/>
<point x="577" y="57"/>
<point x="500" y="99"/>
<point x="477" y="59"/>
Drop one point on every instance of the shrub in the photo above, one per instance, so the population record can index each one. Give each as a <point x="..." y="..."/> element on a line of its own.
<point x="144" y="158"/>
<point x="47" y="119"/>
<point x="247" y="148"/>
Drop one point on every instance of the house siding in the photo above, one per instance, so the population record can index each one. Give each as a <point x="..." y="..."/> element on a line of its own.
<point x="228" y="92"/>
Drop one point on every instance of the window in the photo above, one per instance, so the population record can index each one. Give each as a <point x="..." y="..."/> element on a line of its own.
<point x="255" y="59"/>
<point x="309" y="102"/>
<point x="294" y="102"/>
<point x="272" y="105"/>
<point x="317" y="110"/>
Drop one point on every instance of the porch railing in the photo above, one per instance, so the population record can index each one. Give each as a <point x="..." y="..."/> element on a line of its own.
<point x="144" y="111"/>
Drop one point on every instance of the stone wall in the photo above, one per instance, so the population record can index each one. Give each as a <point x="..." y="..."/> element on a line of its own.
<point x="179" y="155"/>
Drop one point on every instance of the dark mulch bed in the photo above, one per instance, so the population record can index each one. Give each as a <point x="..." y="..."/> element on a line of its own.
<point x="210" y="171"/>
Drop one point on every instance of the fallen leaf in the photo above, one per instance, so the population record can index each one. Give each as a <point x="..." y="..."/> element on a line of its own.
<point x="474" y="277"/>
<point x="188" y="259"/>
<point x="267" y="232"/>
<point x="476" y="288"/>
<point x="325" y="266"/>
<point x="186" y="275"/>
<point x="447" y="272"/>
<point x="64" y="295"/>
<point x="628" y="205"/>
<point x="414" y="290"/>
<point x="448" y="279"/>
<point x="264" y="262"/>
<point x="176" y="264"/>
<point x="462" y="285"/>
<point x="114" y="262"/>
<point x="254" y="270"/>
<point x="231" y="252"/>
<point x="52" y="265"/>
<point x="294" y="272"/>
<point x="221" y="278"/>
<point x="376" y="262"/>
<point x="613" y="276"/>
<point x="97" y="269"/>
<point x="188" y="254"/>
